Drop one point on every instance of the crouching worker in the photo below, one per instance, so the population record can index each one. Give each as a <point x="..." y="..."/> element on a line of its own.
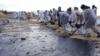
<point x="90" y="20"/>
<point x="64" y="18"/>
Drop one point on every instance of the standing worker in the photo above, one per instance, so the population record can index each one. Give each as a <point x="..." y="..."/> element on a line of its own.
<point x="58" y="15"/>
<point x="94" y="9"/>
<point x="90" y="20"/>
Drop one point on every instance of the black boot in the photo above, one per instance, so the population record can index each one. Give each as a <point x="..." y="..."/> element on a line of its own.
<point x="98" y="34"/>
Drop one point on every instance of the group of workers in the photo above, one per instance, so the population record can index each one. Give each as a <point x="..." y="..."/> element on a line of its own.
<point x="23" y="15"/>
<point x="71" y="19"/>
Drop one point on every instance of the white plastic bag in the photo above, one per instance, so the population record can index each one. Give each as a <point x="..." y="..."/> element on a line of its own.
<point x="68" y="27"/>
<point x="98" y="22"/>
<point x="81" y="30"/>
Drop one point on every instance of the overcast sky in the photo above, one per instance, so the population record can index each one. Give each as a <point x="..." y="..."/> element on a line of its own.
<point x="33" y="5"/>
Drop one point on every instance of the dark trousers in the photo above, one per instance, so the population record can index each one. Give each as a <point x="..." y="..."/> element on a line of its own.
<point x="59" y="22"/>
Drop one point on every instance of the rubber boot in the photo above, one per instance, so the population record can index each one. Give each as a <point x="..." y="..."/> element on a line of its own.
<point x="98" y="34"/>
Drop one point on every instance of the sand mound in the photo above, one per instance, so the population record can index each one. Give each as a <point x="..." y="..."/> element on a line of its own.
<point x="2" y="15"/>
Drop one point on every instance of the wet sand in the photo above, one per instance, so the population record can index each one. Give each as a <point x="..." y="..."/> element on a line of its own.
<point x="22" y="38"/>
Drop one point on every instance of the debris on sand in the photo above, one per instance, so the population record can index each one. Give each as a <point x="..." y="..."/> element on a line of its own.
<point x="28" y="53"/>
<point x="23" y="38"/>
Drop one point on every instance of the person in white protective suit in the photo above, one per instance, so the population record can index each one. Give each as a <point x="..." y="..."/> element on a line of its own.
<point x="55" y="14"/>
<point x="32" y="13"/>
<point x="41" y="16"/>
<point x="90" y="20"/>
<point x="64" y="17"/>
<point x="94" y="9"/>
<point x="72" y="18"/>
<point x="19" y="15"/>
<point x="51" y="16"/>
<point x="79" y="21"/>
<point x="47" y="16"/>
<point x="15" y="15"/>
<point x="76" y="21"/>
<point x="23" y="15"/>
